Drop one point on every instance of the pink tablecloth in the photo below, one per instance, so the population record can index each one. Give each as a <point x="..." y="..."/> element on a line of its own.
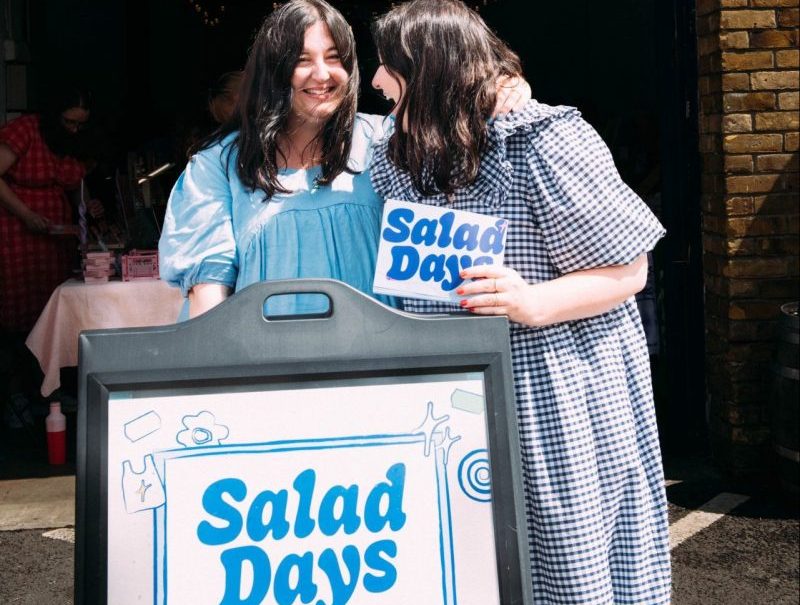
<point x="75" y="306"/>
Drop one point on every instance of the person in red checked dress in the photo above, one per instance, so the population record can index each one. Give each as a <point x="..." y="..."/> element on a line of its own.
<point x="38" y="165"/>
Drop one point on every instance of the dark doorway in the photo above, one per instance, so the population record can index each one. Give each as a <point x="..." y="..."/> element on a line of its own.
<point x="628" y="66"/>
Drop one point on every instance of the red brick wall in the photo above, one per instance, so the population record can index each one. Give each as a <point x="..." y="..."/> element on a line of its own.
<point x="748" y="82"/>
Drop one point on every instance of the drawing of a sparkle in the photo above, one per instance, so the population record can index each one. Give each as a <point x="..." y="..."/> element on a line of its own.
<point x="429" y="425"/>
<point x="446" y="443"/>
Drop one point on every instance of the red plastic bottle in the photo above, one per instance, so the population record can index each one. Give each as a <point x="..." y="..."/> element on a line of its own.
<point x="56" y="427"/>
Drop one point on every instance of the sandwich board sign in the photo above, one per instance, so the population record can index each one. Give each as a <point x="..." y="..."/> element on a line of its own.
<point x="359" y="456"/>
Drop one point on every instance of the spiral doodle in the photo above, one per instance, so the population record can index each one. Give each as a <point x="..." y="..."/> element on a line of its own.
<point x="474" y="476"/>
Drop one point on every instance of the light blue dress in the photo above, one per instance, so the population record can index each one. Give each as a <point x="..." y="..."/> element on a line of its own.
<point x="218" y="231"/>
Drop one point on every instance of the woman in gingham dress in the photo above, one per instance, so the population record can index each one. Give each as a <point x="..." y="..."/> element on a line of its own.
<point x="576" y="255"/>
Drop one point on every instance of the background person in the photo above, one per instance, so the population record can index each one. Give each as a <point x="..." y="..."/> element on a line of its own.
<point x="38" y="165"/>
<point x="576" y="255"/>
<point x="222" y="97"/>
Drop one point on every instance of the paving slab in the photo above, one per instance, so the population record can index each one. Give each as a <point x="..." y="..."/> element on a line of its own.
<point x="37" y="503"/>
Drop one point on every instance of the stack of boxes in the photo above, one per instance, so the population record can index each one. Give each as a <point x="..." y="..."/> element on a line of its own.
<point x="98" y="267"/>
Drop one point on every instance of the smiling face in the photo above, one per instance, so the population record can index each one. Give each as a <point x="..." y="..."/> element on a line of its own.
<point x="319" y="79"/>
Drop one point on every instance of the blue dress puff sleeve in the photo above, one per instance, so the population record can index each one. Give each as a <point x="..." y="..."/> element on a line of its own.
<point x="588" y="216"/>
<point x="197" y="242"/>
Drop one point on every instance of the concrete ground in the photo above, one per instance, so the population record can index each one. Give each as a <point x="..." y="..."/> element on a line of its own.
<point x="732" y="544"/>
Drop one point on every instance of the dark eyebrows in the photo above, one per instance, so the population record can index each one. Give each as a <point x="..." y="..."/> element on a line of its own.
<point x="331" y="49"/>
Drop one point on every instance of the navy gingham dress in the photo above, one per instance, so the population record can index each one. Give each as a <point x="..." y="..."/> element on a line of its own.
<point x="594" y="484"/>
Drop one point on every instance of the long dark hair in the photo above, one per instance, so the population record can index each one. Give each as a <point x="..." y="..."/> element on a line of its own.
<point x="265" y="97"/>
<point x="450" y="61"/>
<point x="58" y="140"/>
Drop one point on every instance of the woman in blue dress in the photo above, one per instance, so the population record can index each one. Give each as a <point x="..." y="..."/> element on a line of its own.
<point x="576" y="255"/>
<point x="282" y="189"/>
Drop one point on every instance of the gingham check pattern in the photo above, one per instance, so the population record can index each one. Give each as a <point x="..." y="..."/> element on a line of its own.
<point x="594" y="484"/>
<point x="33" y="265"/>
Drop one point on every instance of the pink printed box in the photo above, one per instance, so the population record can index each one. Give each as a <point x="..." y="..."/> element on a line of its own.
<point x="140" y="265"/>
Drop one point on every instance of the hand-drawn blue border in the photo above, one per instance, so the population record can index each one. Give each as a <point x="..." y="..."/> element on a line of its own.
<point x="446" y="550"/>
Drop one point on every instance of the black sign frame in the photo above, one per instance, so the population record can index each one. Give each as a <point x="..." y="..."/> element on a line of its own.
<point x="234" y="345"/>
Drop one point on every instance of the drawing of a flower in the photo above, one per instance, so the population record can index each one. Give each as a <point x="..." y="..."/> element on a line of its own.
<point x="201" y="429"/>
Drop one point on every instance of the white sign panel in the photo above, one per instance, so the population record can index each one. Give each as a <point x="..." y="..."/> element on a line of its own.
<point x="351" y="492"/>
<point x="423" y="249"/>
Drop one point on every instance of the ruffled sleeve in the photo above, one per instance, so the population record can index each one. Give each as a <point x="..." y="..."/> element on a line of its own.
<point x="588" y="216"/>
<point x="18" y="134"/>
<point x="197" y="243"/>
<point x="368" y="132"/>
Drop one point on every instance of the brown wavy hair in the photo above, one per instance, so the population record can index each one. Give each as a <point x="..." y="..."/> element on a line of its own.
<point x="265" y="96"/>
<point x="450" y="61"/>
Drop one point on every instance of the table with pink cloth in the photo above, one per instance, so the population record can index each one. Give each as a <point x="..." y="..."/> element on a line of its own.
<point x="75" y="306"/>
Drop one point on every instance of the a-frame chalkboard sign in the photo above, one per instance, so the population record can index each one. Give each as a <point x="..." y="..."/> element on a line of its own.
<point x="361" y="456"/>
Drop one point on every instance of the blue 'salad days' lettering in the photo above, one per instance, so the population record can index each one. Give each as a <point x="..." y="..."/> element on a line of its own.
<point x="410" y="260"/>
<point x="297" y="576"/>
